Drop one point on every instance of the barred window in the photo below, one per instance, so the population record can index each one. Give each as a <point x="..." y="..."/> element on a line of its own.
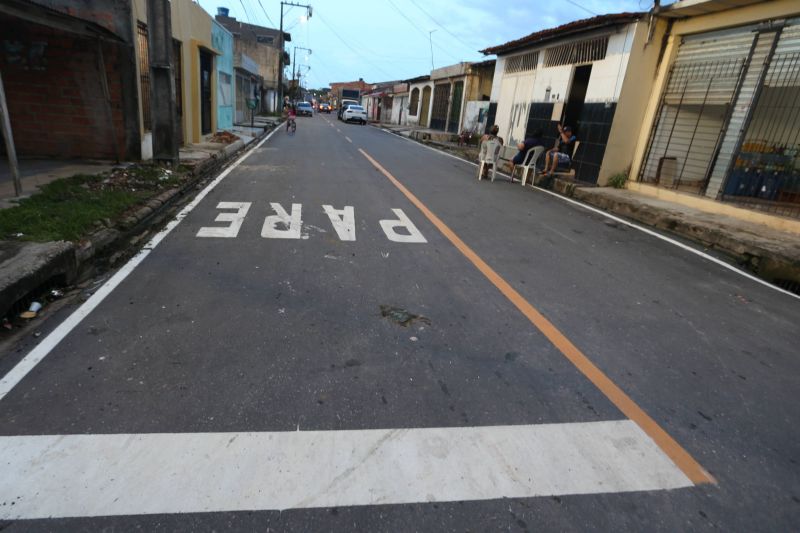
<point x="577" y="52"/>
<point x="522" y="62"/>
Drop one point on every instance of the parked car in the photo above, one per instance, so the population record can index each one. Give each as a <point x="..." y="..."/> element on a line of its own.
<point x="343" y="105"/>
<point x="324" y="107"/>
<point x="304" y="108"/>
<point x="355" y="113"/>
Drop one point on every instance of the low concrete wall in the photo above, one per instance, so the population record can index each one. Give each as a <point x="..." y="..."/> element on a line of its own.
<point x="713" y="206"/>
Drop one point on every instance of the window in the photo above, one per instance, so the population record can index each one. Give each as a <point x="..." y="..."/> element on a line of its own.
<point x="522" y="63"/>
<point x="266" y="39"/>
<point x="414" y="103"/>
<point x="577" y="52"/>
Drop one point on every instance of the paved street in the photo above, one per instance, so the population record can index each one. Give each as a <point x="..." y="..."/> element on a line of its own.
<point x="350" y="332"/>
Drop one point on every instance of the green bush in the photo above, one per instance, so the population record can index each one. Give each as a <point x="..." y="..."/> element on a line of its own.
<point x="618" y="180"/>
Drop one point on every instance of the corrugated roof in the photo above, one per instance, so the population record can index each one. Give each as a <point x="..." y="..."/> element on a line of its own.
<point x="576" y="26"/>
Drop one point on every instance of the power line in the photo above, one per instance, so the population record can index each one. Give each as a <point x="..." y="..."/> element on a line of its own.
<point x="413" y="24"/>
<point x="265" y="13"/>
<point x="247" y="15"/>
<point x="321" y="19"/>
<point x="576" y="4"/>
<point x="456" y="37"/>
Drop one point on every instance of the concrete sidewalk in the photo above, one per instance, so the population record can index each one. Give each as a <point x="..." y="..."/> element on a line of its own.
<point x="37" y="172"/>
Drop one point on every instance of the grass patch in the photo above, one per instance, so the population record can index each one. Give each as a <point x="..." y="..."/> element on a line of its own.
<point x="67" y="209"/>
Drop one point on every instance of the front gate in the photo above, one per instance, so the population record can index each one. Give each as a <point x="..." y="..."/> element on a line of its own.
<point x="441" y="96"/>
<point x="455" y="109"/>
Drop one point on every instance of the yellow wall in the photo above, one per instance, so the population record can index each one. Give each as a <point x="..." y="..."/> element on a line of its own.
<point x="712" y="206"/>
<point x="640" y="76"/>
<point x="192" y="26"/>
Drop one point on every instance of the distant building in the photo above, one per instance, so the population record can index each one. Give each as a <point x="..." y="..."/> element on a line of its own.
<point x="257" y="52"/>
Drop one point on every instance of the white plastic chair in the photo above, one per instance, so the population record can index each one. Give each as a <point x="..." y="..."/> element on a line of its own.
<point x="489" y="154"/>
<point x="529" y="163"/>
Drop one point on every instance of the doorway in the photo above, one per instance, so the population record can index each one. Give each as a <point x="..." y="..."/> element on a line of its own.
<point x="577" y="94"/>
<point x="426" y="104"/>
<point x="455" y="107"/>
<point x="205" y="92"/>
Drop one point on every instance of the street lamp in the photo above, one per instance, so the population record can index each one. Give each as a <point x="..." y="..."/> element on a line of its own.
<point x="430" y="40"/>
<point x="309" y="11"/>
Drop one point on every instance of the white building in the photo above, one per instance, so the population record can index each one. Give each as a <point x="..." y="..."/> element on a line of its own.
<point x="573" y="74"/>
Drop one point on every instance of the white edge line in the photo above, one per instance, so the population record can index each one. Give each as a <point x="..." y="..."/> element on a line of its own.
<point x="621" y="221"/>
<point x="35" y="356"/>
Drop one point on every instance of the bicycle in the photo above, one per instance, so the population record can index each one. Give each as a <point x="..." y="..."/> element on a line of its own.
<point x="291" y="126"/>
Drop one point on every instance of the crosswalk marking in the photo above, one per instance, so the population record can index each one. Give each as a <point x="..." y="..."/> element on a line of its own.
<point x="134" y="474"/>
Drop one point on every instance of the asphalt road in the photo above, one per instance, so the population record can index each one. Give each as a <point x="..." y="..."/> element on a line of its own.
<point x="381" y="385"/>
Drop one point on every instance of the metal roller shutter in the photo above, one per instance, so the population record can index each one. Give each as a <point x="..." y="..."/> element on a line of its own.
<point x="694" y="108"/>
<point x="764" y="170"/>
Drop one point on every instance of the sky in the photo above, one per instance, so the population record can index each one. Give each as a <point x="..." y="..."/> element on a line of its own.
<point x="384" y="40"/>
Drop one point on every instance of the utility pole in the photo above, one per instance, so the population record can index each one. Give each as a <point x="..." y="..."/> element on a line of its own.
<point x="294" y="59"/>
<point x="163" y="111"/>
<point x="5" y="124"/>
<point x="280" y="52"/>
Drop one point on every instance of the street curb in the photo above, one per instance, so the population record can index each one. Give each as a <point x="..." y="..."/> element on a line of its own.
<point x="70" y="262"/>
<point x="769" y="264"/>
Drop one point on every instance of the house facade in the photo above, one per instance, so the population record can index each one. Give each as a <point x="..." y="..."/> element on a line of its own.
<point x="420" y="90"/>
<point x="222" y="40"/>
<point x="592" y="74"/>
<point x="456" y="91"/>
<point x="257" y="52"/>
<point x="194" y="58"/>
<point x="399" y="103"/>
<point x="722" y="122"/>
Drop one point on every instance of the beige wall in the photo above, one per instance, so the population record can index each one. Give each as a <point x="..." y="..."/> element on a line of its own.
<point x="191" y="25"/>
<point x="264" y="55"/>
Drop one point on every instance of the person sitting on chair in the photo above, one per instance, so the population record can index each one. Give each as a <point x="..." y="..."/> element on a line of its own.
<point x="491" y="136"/>
<point x="523" y="147"/>
<point x="562" y="152"/>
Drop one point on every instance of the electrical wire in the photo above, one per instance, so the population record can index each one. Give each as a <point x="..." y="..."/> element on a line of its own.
<point x="576" y="4"/>
<point x="376" y="67"/>
<point x="246" y="14"/>
<point x="413" y="24"/>
<point x="456" y="37"/>
<point x="265" y="13"/>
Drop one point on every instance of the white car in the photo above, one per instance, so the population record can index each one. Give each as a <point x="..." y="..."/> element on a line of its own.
<point x="355" y="113"/>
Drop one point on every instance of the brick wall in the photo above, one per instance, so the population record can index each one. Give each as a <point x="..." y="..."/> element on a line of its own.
<point x="55" y="96"/>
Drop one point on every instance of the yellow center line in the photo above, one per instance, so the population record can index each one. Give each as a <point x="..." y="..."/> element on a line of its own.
<point x="682" y="459"/>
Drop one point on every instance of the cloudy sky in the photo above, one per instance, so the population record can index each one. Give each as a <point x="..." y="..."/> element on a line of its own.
<point x="381" y="40"/>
